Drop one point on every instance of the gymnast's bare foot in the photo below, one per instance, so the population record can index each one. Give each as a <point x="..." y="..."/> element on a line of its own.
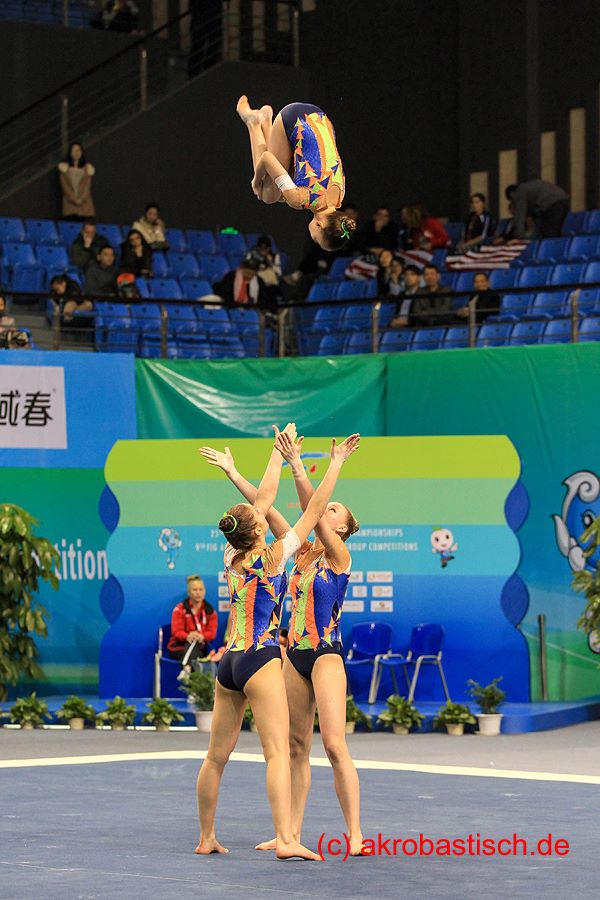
<point x="295" y="850"/>
<point x="267" y="845"/>
<point x="266" y="112"/>
<point x="247" y="115"/>
<point x="209" y="845"/>
<point x="356" y="846"/>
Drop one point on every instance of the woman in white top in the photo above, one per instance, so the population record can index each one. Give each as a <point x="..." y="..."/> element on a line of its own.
<point x="75" y="176"/>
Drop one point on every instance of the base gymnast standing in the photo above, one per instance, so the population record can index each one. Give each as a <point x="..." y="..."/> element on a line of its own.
<point x="250" y="670"/>
<point x="314" y="671"/>
<point x="296" y="161"/>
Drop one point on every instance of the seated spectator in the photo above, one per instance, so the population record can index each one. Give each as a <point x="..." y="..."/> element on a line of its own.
<point x="412" y="284"/>
<point x="390" y="279"/>
<point x="101" y="275"/>
<point x="193" y="622"/>
<point x="66" y="292"/>
<point x="269" y="267"/>
<point x="127" y="289"/>
<point x="152" y="227"/>
<point x="425" y="232"/>
<point x="485" y="301"/>
<point x="381" y="233"/>
<point x="87" y="245"/>
<point x="136" y="255"/>
<point x="11" y="338"/>
<point x="432" y="304"/>
<point x="75" y="176"/>
<point x="478" y="227"/>
<point x="242" y="285"/>
<point x="117" y="15"/>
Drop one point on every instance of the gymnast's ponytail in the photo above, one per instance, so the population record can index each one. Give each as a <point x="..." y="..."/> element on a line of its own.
<point x="237" y="525"/>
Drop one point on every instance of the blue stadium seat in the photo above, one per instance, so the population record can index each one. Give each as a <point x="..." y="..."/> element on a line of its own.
<point x="493" y="334"/>
<point x="160" y="266"/>
<point x="12" y="230"/>
<point x="226" y="347"/>
<point x="454" y="230"/>
<point x="574" y="223"/>
<point x="142" y="286"/>
<point x="164" y="289"/>
<point x="55" y="256"/>
<point x="359" y="342"/>
<point x="147" y="317"/>
<point x="456" y="337"/>
<point x="439" y="257"/>
<point x="331" y="345"/>
<point x="527" y="256"/>
<point x="526" y="332"/>
<point x="464" y="282"/>
<point x="27" y="279"/>
<point x="329" y="318"/>
<point x="552" y="249"/>
<point x="387" y="311"/>
<point x="427" y="338"/>
<point x="589" y="329"/>
<point x="69" y="231"/>
<point x="112" y="233"/>
<point x="235" y="259"/>
<point x="183" y="321"/>
<point x="151" y="346"/>
<point x="246" y="321"/>
<point x="322" y="290"/>
<point x="21" y="253"/>
<point x="534" y="276"/>
<point x="195" y="287"/>
<point x="500" y="279"/>
<point x="547" y="305"/>
<point x="357" y="317"/>
<point x="592" y="272"/>
<point x="587" y="301"/>
<point x="349" y="290"/>
<point x="177" y="240"/>
<point x="592" y="222"/>
<point x="201" y="241"/>
<point x="182" y="264"/>
<point x="215" y="321"/>
<point x="232" y="243"/>
<point x="557" y="331"/>
<point x="583" y="247"/>
<point x="514" y="306"/>
<point x="339" y="266"/>
<point x="370" y="288"/>
<point x="120" y="332"/>
<point x="193" y="346"/>
<point x="449" y="279"/>
<point x="41" y="231"/>
<point x="395" y="340"/>
<point x="214" y="267"/>
<point x="567" y="273"/>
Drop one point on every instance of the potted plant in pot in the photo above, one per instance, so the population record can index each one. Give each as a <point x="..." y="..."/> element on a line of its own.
<point x="249" y="719"/>
<point x="355" y="714"/>
<point x="488" y="699"/>
<point x="29" y="712"/>
<point x="200" y="690"/>
<point x="118" y="714"/>
<point x="161" y="714"/>
<point x="76" y="712"/>
<point x="454" y="716"/>
<point x="400" y="714"/>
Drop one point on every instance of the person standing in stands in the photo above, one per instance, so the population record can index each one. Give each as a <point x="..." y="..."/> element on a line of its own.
<point x="546" y="203"/>
<point x="192" y="621"/>
<point x="75" y="175"/>
<point x="152" y="227"/>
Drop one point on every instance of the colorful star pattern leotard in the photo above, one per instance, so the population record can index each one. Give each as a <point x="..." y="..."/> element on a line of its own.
<point x="316" y="162"/>
<point x="317" y="599"/>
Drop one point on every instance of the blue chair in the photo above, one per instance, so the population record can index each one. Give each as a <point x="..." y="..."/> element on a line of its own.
<point x="339" y="266"/>
<point x="349" y="290"/>
<point x="368" y="640"/>
<point x="322" y="290"/>
<point x="534" y="276"/>
<point x="546" y="305"/>
<point x="592" y="222"/>
<point x="19" y="253"/>
<point x="232" y="243"/>
<point x="514" y="306"/>
<point x="454" y="231"/>
<point x="526" y="257"/>
<point x="526" y="332"/>
<point x="183" y="264"/>
<point x="226" y="346"/>
<point x="235" y="259"/>
<point x="215" y="322"/>
<point x="387" y="311"/>
<point x="425" y="648"/>
<point x="427" y="338"/>
<point x="247" y="323"/>
<point x="12" y="230"/>
<point x="176" y="240"/>
<point x="41" y="231"/>
<point x="395" y="340"/>
<point x="574" y="223"/>
<point x="357" y="318"/>
<point x="120" y="331"/>
<point x="567" y="273"/>
<point x="370" y="289"/>
<point x="112" y="233"/>
<point x="151" y="346"/>
<point x="331" y="345"/>
<point x="183" y="321"/>
<point x="193" y="288"/>
<point x="214" y="267"/>
<point x="552" y="249"/>
<point x="557" y="331"/>
<point x="164" y="289"/>
<point x="583" y="247"/>
<point x="27" y="279"/>
<point x="500" y="279"/>
<point x="193" y="346"/>
<point x="160" y="266"/>
<point x="589" y="329"/>
<point x="328" y="319"/>
<point x="69" y="231"/>
<point x="464" y="282"/>
<point x="439" y="257"/>
<point x="493" y="334"/>
<point x="456" y="337"/>
<point x="587" y="300"/>
<point x="359" y="342"/>
<point x="592" y="272"/>
<point x="201" y="241"/>
<point x="54" y="256"/>
<point x="449" y="279"/>
<point x="147" y="317"/>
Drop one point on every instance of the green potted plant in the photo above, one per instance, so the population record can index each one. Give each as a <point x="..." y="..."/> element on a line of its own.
<point x="25" y="561"/>
<point x="249" y="719"/>
<point x="355" y="714"/>
<point x="454" y="716"/>
<point x="76" y="712"/>
<point x="118" y="714"/>
<point x="161" y="714"/>
<point x="29" y="712"/>
<point x="588" y="583"/>
<point x="488" y="699"/>
<point x="200" y="690"/>
<point x="400" y="714"/>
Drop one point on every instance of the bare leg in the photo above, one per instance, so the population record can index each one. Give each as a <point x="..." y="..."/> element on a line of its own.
<point x="227" y="721"/>
<point x="329" y="682"/>
<point x="266" y="695"/>
<point x="266" y="122"/>
<point x="301" y="702"/>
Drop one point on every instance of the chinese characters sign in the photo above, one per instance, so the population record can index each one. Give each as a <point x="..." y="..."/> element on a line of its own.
<point x="32" y="407"/>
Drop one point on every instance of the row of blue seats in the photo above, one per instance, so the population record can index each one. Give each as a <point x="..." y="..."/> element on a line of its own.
<point x="45" y="12"/>
<point x="584" y="222"/>
<point x="492" y="334"/>
<point x="47" y="231"/>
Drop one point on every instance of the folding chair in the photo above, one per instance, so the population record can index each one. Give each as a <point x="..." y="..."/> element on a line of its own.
<point x="425" y="648"/>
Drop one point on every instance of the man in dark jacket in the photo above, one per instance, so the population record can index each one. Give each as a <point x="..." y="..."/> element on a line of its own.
<point x="242" y="286"/>
<point x="546" y="203"/>
<point x="101" y="275"/>
<point x="87" y="245"/>
<point x="433" y="303"/>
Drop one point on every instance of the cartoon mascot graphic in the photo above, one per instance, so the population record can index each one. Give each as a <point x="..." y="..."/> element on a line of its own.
<point x="170" y="543"/>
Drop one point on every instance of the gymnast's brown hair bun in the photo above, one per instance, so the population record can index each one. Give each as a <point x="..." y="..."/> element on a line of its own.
<point x="237" y="525"/>
<point x="338" y="231"/>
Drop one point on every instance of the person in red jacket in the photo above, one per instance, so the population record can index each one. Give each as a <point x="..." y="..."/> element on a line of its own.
<point x="192" y="620"/>
<point x="425" y="231"/>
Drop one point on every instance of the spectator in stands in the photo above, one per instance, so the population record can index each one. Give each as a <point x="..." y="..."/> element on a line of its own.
<point x="478" y="227"/>
<point x="545" y="202"/>
<point x="485" y="302"/>
<point x="75" y="176"/>
<point x="433" y="303"/>
<point x="412" y="284"/>
<point x="242" y="285"/>
<point x="425" y="232"/>
<point x="380" y="233"/>
<point x="117" y="15"/>
<point x="269" y="268"/>
<point x="136" y="255"/>
<point x="101" y="275"/>
<point x="11" y="336"/>
<point x="87" y="245"/>
<point x="127" y="289"/>
<point x="66" y="291"/>
<point x="390" y="280"/>
<point x="193" y="621"/>
<point x="152" y="227"/>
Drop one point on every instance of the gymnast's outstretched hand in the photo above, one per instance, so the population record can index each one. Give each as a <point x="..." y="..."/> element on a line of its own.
<point x="223" y="461"/>
<point x="342" y="452"/>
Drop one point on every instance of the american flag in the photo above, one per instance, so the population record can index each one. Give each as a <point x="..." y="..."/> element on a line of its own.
<point x="487" y="257"/>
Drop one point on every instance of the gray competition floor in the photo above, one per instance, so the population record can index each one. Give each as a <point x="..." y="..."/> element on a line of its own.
<point x="76" y="824"/>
